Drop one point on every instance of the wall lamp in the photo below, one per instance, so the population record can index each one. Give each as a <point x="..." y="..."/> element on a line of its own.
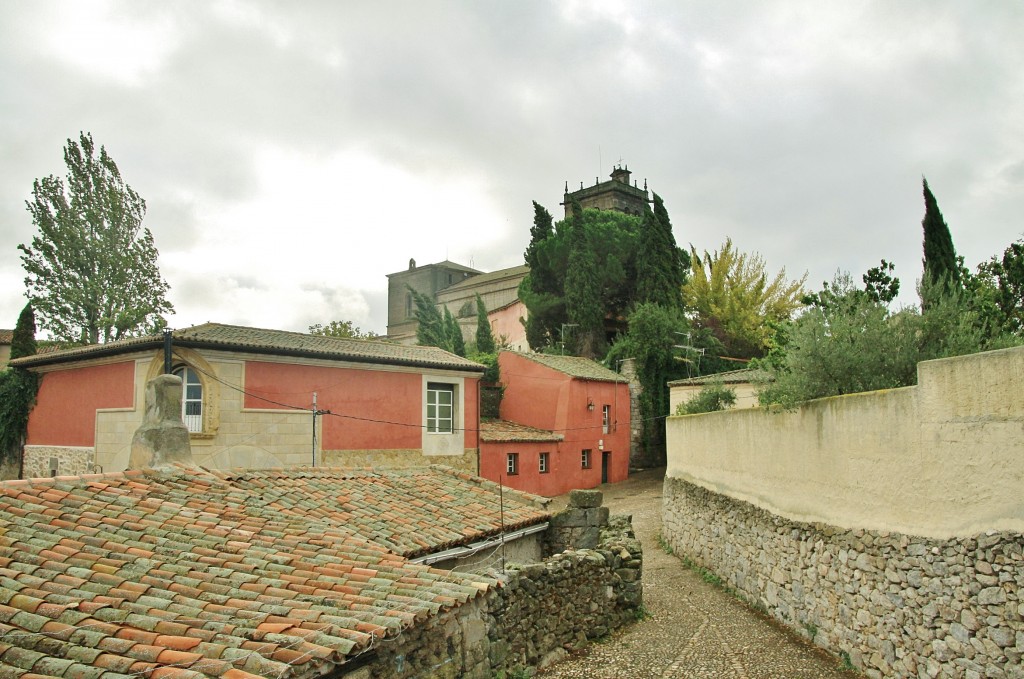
<point x="590" y="403"/>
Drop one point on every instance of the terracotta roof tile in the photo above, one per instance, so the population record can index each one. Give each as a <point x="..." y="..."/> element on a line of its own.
<point x="271" y="573"/>
<point x="503" y="431"/>
<point x="574" y="366"/>
<point x="222" y="337"/>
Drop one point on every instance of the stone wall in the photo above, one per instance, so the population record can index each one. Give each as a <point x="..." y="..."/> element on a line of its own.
<point x="896" y="605"/>
<point x="545" y="610"/>
<point x="398" y="458"/>
<point x="71" y="461"/>
<point x="534" y="615"/>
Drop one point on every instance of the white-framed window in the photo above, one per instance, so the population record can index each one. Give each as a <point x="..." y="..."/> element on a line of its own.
<point x="585" y="458"/>
<point x="606" y="418"/>
<point x="191" y="398"/>
<point x="440" y="408"/>
<point x="512" y="464"/>
<point x="543" y="463"/>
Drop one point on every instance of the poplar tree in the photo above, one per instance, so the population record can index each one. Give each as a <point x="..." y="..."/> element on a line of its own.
<point x="92" y="273"/>
<point x="940" y="260"/>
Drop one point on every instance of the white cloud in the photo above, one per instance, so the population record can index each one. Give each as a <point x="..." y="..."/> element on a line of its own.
<point x="108" y="39"/>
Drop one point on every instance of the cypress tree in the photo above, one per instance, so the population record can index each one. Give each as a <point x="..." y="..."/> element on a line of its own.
<point x="430" y="329"/>
<point x="940" y="260"/>
<point x="484" y="337"/>
<point x="453" y="335"/>
<point x="18" y="388"/>
<point x="24" y="341"/>
<point x="583" y="288"/>
<point x="659" y="269"/>
<point x="541" y="230"/>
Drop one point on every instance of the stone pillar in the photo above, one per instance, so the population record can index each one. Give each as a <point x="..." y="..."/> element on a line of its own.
<point x="162" y="439"/>
<point x="579" y="526"/>
<point x="637" y="458"/>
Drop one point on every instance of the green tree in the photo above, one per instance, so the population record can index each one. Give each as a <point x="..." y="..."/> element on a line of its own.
<point x="848" y="342"/>
<point x="23" y="342"/>
<point x="940" y="260"/>
<point x="542" y="230"/>
<point x="660" y="272"/>
<point x="485" y="343"/>
<point x="996" y="290"/>
<point x="729" y="293"/>
<point x="436" y="327"/>
<point x="343" y="329"/>
<point x="18" y="389"/>
<point x="583" y="301"/>
<point x="455" y="343"/>
<point x="431" y="330"/>
<point x="612" y="238"/>
<point x="92" y="271"/>
<point x="654" y="330"/>
<point x="879" y="283"/>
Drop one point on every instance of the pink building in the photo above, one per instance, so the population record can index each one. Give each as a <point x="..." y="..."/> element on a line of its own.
<point x="564" y="425"/>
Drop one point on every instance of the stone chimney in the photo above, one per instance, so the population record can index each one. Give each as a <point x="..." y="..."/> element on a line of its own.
<point x="162" y="439"/>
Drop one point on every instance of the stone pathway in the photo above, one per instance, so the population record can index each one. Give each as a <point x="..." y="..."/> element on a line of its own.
<point x="695" y="630"/>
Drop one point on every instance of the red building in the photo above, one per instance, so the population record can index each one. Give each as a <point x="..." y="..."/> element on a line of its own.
<point x="564" y="425"/>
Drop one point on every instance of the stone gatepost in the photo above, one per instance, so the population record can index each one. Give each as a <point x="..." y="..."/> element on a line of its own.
<point x="162" y="439"/>
<point x="579" y="526"/>
<point x="637" y="458"/>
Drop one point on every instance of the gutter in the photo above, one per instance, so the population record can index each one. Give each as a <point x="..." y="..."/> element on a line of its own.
<point x="474" y="548"/>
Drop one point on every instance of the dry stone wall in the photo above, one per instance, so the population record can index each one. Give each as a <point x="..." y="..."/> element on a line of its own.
<point x="535" y="615"/>
<point x="895" y="605"/>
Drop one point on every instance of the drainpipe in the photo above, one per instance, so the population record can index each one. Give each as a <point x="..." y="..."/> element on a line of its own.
<point x="167" y="351"/>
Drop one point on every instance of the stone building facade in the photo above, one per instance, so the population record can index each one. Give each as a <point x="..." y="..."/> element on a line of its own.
<point x="614" y="194"/>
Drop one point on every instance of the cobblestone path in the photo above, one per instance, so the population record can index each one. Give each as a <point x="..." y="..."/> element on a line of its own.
<point x="695" y="630"/>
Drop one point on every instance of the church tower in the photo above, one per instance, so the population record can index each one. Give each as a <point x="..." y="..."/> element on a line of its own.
<point x="614" y="194"/>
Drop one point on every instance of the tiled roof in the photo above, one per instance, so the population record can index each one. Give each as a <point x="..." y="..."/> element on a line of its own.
<point x="412" y="511"/>
<point x="574" y="366"/>
<point x="503" y="431"/>
<point x="6" y="336"/>
<point x="729" y="377"/>
<point x="183" y="573"/>
<point x="485" y="278"/>
<point x="272" y="342"/>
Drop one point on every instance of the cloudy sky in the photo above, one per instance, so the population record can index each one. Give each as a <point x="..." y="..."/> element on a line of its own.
<point x="292" y="154"/>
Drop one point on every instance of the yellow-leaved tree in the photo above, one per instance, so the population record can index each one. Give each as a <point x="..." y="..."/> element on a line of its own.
<point x="730" y="294"/>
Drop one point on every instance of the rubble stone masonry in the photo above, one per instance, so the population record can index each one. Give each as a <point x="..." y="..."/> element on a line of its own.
<point x="893" y="604"/>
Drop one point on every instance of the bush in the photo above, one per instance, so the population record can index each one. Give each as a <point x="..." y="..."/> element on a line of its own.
<point x="713" y="397"/>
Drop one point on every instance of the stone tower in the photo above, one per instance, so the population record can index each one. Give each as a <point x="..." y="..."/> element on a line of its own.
<point x="614" y="194"/>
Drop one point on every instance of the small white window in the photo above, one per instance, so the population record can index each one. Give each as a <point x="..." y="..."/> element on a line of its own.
<point x="191" y="398"/>
<point x="585" y="459"/>
<point x="440" y="408"/>
<point x="512" y="464"/>
<point x="542" y="463"/>
<point x="606" y="418"/>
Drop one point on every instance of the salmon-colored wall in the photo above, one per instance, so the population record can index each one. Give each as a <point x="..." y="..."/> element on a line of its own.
<point x="370" y="409"/>
<point x="65" y="410"/>
<point x="565" y="467"/>
<point x="541" y="397"/>
<point x="375" y="404"/>
<point x="506" y="324"/>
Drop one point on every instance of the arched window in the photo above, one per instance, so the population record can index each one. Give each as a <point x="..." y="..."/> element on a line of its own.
<point x="191" y="398"/>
